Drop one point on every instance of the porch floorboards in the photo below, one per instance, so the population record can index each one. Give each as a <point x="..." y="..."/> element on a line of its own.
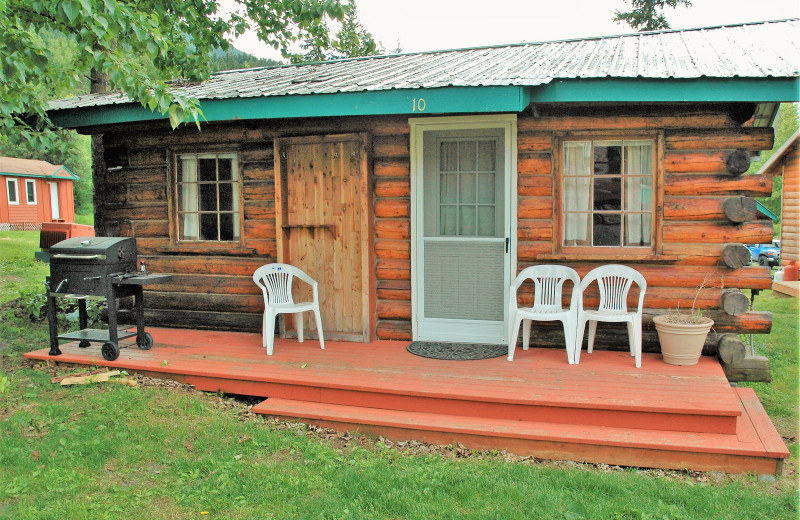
<point x="602" y="410"/>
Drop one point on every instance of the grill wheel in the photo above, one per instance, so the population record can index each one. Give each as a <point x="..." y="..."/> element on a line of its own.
<point x="110" y="351"/>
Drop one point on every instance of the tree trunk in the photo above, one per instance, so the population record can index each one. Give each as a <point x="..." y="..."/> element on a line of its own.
<point x="99" y="84"/>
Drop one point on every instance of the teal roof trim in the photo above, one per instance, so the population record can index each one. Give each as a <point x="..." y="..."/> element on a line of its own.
<point x="764" y="211"/>
<point x="668" y="90"/>
<point x="55" y="175"/>
<point x="449" y="100"/>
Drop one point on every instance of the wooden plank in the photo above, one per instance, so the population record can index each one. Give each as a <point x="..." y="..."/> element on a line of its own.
<point x="743" y="137"/>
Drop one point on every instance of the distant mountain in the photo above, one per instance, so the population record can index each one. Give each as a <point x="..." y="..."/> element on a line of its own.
<point x="237" y="59"/>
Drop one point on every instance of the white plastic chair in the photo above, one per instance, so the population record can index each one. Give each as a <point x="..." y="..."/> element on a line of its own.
<point x="275" y="281"/>
<point x="614" y="282"/>
<point x="548" y="282"/>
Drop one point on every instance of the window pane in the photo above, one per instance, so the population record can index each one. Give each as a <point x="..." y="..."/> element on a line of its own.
<point x="486" y="221"/>
<point x="607" y="230"/>
<point x="208" y="169"/>
<point x="12" y="191"/>
<point x="608" y="193"/>
<point x="638" y="228"/>
<point x="638" y="193"/>
<point x="188" y="226"/>
<point x="467" y="155"/>
<point x="466" y="221"/>
<point x="466" y="188"/>
<point x="448" y="189"/>
<point x="208" y="226"/>
<point x="448" y="220"/>
<point x="486" y="188"/>
<point x="576" y="193"/>
<point x="576" y="229"/>
<point x="225" y="196"/>
<point x="449" y="156"/>
<point x="226" y="228"/>
<point x="607" y="157"/>
<point x="31" y="189"/>
<point x="638" y="157"/>
<point x="208" y="197"/>
<point x="577" y="158"/>
<point x="487" y="150"/>
<point x="225" y="169"/>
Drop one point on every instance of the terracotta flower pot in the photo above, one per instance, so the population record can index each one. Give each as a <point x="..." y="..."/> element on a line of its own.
<point x="682" y="337"/>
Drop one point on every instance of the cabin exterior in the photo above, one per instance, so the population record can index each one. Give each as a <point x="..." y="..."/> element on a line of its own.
<point x="415" y="187"/>
<point x="786" y="163"/>
<point x="33" y="192"/>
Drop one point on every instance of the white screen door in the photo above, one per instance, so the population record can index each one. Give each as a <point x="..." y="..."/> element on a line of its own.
<point x="462" y="231"/>
<point x="55" y="208"/>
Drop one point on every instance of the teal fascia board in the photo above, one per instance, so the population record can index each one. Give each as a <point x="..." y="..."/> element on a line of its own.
<point x="766" y="212"/>
<point x="668" y="90"/>
<point x="414" y="102"/>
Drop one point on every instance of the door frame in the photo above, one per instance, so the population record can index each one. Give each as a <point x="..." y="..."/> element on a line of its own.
<point x="367" y="253"/>
<point x="506" y="122"/>
<point x="55" y="201"/>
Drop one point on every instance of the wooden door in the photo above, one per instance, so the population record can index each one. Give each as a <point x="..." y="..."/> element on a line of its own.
<point x="324" y="227"/>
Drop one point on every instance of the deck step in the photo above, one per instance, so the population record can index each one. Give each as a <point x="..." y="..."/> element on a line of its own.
<point x="750" y="449"/>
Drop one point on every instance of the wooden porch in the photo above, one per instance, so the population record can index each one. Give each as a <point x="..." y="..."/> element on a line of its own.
<point x="602" y="410"/>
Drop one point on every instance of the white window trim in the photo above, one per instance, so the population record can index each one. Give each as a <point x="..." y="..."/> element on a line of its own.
<point x="27" y="200"/>
<point x="9" y="182"/>
<point x="418" y="127"/>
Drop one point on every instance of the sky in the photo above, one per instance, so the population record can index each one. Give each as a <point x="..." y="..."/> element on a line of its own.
<point x="426" y="25"/>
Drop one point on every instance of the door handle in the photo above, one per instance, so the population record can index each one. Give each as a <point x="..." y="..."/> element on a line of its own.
<point x="507" y="241"/>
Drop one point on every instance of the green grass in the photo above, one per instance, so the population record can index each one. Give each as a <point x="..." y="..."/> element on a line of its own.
<point x="84" y="218"/>
<point x="108" y="451"/>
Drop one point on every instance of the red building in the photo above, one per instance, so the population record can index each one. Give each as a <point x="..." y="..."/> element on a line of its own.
<point x="33" y="192"/>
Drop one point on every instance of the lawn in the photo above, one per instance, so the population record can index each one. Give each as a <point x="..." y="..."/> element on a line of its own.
<point x="160" y="451"/>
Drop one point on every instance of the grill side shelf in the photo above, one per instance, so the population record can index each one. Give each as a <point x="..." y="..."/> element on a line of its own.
<point x="96" y="335"/>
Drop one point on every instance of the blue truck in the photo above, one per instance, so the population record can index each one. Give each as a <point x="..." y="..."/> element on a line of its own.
<point x="766" y="254"/>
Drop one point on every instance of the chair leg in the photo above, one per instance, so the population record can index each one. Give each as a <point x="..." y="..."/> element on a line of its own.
<point x="269" y="332"/>
<point x="512" y="337"/>
<point x="576" y="356"/>
<point x="319" y="328"/>
<point x="264" y="330"/>
<point x="631" y="338"/>
<point x="526" y="334"/>
<point x="298" y="320"/>
<point x="569" y="340"/>
<point x="592" y="332"/>
<point x="637" y="330"/>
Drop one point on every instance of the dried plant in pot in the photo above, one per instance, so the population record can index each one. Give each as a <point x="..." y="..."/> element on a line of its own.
<point x="683" y="334"/>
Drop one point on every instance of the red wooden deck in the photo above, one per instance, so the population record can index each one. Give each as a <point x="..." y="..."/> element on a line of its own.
<point x="602" y="410"/>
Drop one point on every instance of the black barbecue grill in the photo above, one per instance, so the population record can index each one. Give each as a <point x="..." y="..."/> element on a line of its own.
<point x="98" y="267"/>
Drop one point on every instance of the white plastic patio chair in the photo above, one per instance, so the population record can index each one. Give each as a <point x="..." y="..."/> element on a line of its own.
<point x="614" y="282"/>
<point x="548" y="282"/>
<point x="275" y="281"/>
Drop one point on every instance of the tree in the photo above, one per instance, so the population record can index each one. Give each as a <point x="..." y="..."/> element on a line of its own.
<point x="646" y="15"/>
<point x="350" y="41"/>
<point x="114" y="37"/>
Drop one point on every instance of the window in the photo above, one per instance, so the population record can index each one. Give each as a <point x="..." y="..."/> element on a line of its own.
<point x="13" y="195"/>
<point x="30" y="191"/>
<point x="607" y="193"/>
<point x="207" y="189"/>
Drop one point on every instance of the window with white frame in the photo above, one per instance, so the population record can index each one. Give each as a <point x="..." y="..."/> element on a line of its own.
<point x="30" y="191"/>
<point x="207" y="197"/>
<point x="13" y="191"/>
<point x="607" y="193"/>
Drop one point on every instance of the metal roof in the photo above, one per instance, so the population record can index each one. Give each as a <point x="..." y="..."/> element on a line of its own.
<point x="751" y="50"/>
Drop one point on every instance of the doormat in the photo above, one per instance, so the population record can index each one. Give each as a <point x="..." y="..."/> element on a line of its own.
<point x="456" y="351"/>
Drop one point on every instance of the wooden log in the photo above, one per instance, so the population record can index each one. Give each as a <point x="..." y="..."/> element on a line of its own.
<point x="750" y="232"/>
<point x="738" y="162"/>
<point x="540" y="142"/>
<point x="695" y="162"/>
<point x="393" y="269"/>
<point x="93" y="378"/>
<point x="392" y="208"/>
<point x="734" y="302"/>
<point x="206" y="302"/>
<point x="393" y="229"/>
<point x="535" y="208"/>
<point x="536" y="230"/>
<point x="535" y="186"/>
<point x="399" y="330"/>
<point x="392" y="168"/>
<point x="725" y="185"/>
<point x="389" y="249"/>
<point x="747" y="138"/>
<point x="612" y="119"/>
<point x="740" y="113"/>
<point x="394" y="309"/>
<point x="731" y="349"/>
<point x="389" y="187"/>
<point x="740" y="209"/>
<point x="735" y="256"/>
<point x="534" y="164"/>
<point x="528" y="251"/>
<point x="237" y="321"/>
<point x="391" y="146"/>
<point x="205" y="265"/>
<point x="394" y="290"/>
<point x="751" y="368"/>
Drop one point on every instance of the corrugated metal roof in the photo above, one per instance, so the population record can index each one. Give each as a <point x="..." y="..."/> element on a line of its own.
<point x="752" y="50"/>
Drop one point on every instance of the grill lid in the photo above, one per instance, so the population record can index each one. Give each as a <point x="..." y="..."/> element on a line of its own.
<point x="95" y="249"/>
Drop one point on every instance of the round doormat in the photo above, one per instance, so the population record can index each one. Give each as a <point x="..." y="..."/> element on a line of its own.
<point x="456" y="351"/>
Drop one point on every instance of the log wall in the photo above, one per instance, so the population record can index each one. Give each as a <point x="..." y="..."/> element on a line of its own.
<point x="215" y="289"/>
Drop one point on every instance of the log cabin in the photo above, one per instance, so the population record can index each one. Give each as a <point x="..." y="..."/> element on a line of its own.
<point x="414" y="187"/>
<point x="34" y="192"/>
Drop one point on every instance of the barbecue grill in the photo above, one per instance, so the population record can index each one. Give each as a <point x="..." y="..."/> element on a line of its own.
<point x="98" y="267"/>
